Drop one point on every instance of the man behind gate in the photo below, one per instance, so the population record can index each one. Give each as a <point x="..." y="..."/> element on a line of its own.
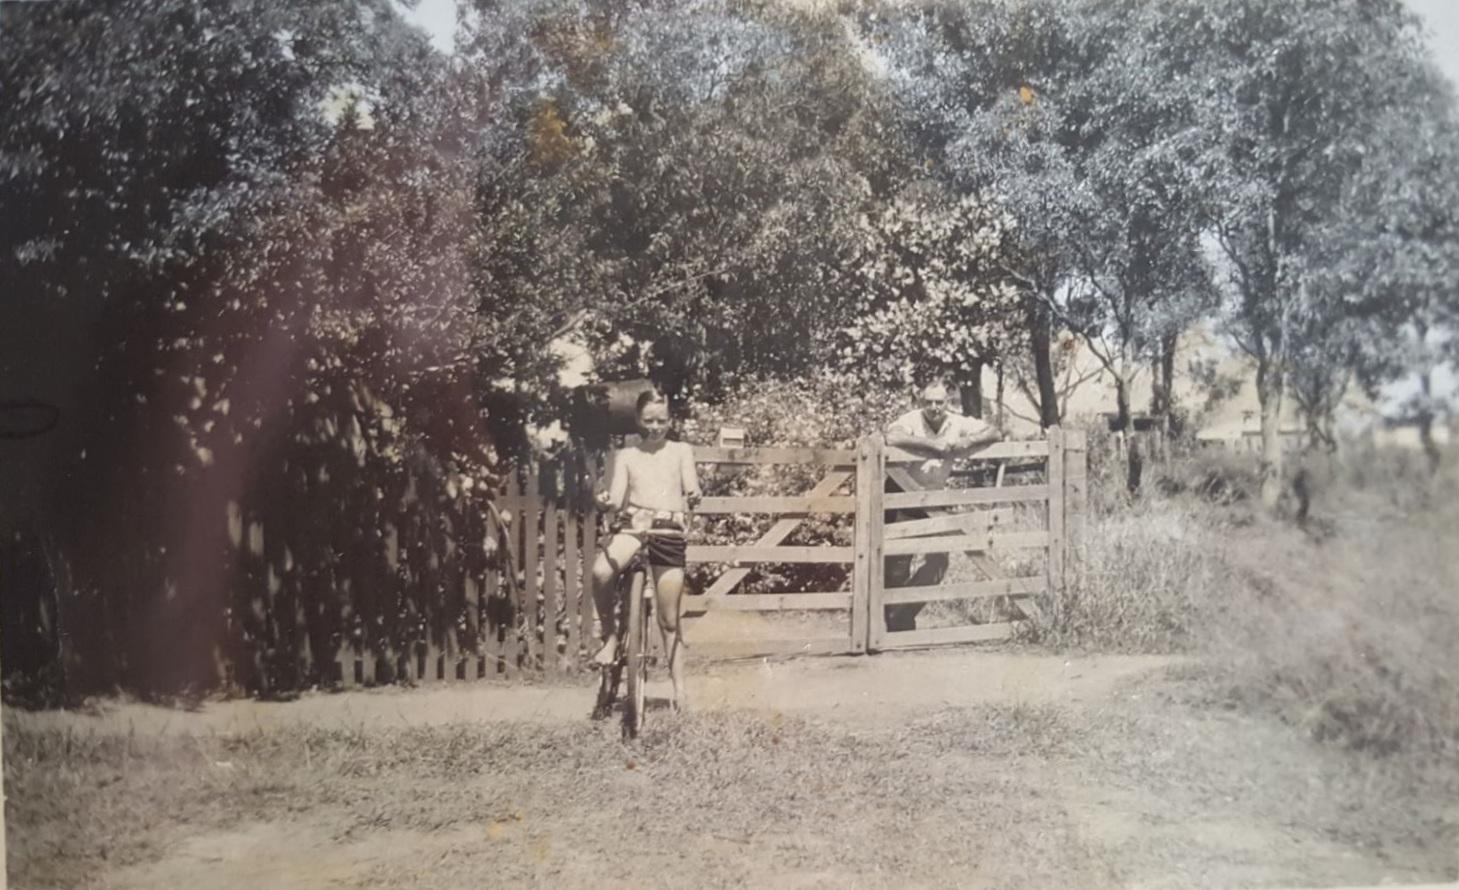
<point x="939" y="436"/>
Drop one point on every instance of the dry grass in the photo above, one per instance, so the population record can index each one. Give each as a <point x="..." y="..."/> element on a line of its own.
<point x="1144" y="581"/>
<point x="999" y="796"/>
<point x="1346" y="624"/>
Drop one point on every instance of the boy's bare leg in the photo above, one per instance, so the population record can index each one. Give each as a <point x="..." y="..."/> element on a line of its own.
<point x="607" y="564"/>
<point x="668" y="591"/>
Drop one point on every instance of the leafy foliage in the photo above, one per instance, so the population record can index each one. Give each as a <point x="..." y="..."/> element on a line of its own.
<point x="307" y="283"/>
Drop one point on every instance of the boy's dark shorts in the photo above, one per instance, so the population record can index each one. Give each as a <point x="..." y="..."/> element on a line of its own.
<point x="666" y="551"/>
<point x="661" y="551"/>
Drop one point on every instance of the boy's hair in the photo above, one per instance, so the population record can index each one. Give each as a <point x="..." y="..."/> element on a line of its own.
<point x="646" y="398"/>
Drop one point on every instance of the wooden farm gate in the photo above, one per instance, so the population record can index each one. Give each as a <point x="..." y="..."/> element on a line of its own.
<point x="1003" y="546"/>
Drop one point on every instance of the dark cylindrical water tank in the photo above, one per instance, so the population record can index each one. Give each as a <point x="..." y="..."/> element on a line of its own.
<point x="607" y="409"/>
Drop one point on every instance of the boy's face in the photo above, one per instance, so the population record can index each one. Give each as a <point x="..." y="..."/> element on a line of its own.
<point x="653" y="421"/>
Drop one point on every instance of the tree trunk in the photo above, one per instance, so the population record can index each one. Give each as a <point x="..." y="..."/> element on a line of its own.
<point x="1426" y="437"/>
<point x="1426" y="412"/>
<point x="1134" y="460"/>
<point x="1162" y="400"/>
<point x="1269" y="393"/>
<point x="998" y="409"/>
<point x="970" y="391"/>
<point x="1043" y="362"/>
<point x="1122" y="403"/>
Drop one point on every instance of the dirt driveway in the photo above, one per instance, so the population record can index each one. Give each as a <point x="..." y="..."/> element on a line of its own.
<point x="854" y="690"/>
<point x="936" y="769"/>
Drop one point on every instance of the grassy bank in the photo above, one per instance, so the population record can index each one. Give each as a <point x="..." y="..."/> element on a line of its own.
<point x="1345" y="624"/>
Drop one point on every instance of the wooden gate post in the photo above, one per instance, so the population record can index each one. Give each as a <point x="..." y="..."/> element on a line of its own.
<point x="1057" y="536"/>
<point x="527" y="612"/>
<point x="1076" y="487"/>
<point x="868" y="621"/>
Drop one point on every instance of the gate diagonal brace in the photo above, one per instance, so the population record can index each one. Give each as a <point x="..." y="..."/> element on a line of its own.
<point x="774" y="536"/>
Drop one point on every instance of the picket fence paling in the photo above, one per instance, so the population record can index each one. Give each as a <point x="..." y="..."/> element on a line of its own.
<point x="532" y="611"/>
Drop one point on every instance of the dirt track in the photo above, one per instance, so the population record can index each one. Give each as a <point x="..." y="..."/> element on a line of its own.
<point x="880" y="689"/>
<point x="989" y="770"/>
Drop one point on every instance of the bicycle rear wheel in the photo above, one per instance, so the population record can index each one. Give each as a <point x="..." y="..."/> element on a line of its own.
<point x="637" y="666"/>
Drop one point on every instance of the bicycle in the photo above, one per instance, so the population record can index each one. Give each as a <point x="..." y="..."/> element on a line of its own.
<point x="633" y="607"/>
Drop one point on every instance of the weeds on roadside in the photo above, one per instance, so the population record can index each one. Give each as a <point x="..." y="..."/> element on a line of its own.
<point x="1345" y="624"/>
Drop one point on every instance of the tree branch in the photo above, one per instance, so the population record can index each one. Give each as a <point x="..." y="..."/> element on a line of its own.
<point x="583" y="314"/>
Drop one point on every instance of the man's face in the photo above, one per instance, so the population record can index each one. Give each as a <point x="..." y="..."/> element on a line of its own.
<point x="653" y="421"/>
<point x="934" y="405"/>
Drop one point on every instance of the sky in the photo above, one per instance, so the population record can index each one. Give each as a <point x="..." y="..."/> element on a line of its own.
<point x="1442" y="20"/>
<point x="438" y="19"/>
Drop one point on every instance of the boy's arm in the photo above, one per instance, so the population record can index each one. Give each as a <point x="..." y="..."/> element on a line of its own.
<point x="689" y="478"/>
<point x="612" y="499"/>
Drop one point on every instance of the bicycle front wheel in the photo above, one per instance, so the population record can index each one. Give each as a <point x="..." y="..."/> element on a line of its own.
<point x="633" y="707"/>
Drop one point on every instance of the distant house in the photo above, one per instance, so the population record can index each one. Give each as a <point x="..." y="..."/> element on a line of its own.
<point x="1243" y="433"/>
<point x="1220" y="402"/>
<point x="1406" y="434"/>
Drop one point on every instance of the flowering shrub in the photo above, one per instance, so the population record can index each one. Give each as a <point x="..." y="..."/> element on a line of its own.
<point x="933" y="299"/>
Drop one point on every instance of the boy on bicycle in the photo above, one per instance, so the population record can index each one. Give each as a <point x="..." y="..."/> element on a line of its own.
<point x="653" y="486"/>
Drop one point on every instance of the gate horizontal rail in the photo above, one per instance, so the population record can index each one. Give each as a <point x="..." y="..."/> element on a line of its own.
<point x="966" y="497"/>
<point x="790" y="505"/>
<point x="769" y="602"/>
<point x="736" y="553"/>
<point x="965" y="543"/>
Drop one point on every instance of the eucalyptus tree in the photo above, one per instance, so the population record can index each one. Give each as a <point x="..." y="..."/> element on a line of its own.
<point x="693" y="206"/>
<point x="978" y="89"/>
<point x="1292" y="94"/>
<point x="1139" y="154"/>
<point x="1385" y="269"/>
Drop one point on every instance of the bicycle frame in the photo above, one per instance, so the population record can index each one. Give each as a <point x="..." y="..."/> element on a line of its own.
<point x="632" y="606"/>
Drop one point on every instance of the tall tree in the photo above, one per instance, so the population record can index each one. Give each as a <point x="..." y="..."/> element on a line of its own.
<point x="1292" y="94"/>
<point x="1390" y="260"/>
<point x="982" y="90"/>
<point x="1143" y="278"/>
<point x="694" y="210"/>
<point x="224" y="199"/>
